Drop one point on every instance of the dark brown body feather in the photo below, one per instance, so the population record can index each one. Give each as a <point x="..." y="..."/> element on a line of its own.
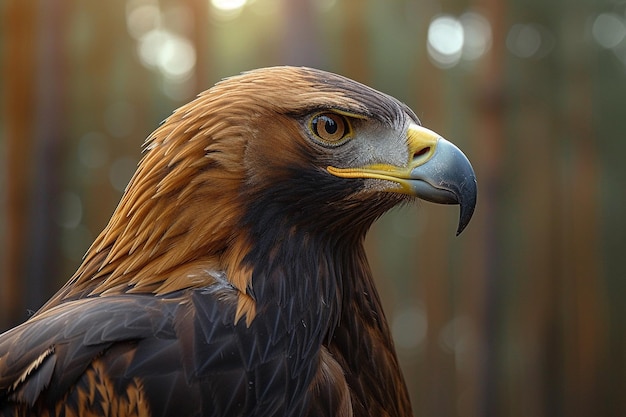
<point x="231" y="280"/>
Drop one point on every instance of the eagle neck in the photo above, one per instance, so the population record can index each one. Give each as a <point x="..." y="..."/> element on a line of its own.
<point x="301" y="279"/>
<point x="362" y="336"/>
<point x="318" y="288"/>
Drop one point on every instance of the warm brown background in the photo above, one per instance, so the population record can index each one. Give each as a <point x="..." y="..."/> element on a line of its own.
<point x="522" y="315"/>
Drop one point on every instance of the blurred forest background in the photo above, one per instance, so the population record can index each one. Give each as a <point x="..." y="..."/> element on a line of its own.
<point x="522" y="315"/>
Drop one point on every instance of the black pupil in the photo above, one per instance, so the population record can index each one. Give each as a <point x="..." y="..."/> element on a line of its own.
<point x="330" y="126"/>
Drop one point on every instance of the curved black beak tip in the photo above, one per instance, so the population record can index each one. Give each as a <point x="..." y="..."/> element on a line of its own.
<point x="467" y="200"/>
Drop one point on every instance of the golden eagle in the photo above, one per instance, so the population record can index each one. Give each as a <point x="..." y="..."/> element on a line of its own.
<point x="231" y="279"/>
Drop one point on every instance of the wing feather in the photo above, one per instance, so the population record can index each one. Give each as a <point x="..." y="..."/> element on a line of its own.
<point x="47" y="355"/>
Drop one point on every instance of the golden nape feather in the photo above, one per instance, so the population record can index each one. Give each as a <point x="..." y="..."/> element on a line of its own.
<point x="231" y="279"/>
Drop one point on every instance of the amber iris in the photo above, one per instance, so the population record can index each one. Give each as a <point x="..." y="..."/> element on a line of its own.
<point x="330" y="127"/>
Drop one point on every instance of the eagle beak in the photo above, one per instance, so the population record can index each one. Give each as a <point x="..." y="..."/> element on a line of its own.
<point x="441" y="173"/>
<point x="437" y="171"/>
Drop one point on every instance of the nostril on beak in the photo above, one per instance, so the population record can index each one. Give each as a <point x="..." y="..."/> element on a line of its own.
<point x="421" y="152"/>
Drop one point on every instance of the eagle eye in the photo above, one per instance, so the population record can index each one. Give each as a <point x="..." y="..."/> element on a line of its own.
<point x="330" y="128"/>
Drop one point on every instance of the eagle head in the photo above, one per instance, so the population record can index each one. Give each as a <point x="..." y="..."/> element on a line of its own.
<point x="260" y="156"/>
